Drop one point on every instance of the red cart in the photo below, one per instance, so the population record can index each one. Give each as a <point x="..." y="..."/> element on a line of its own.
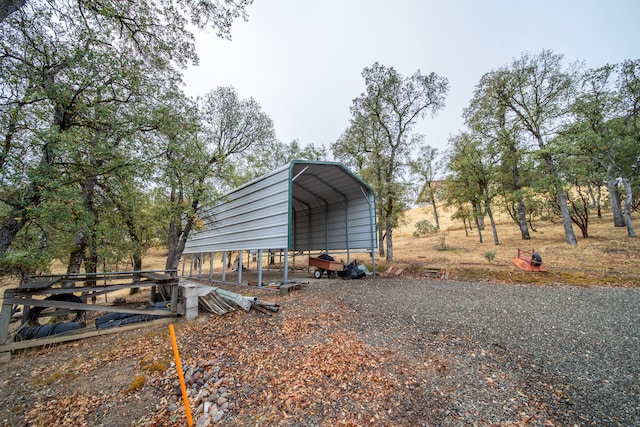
<point x="322" y="265"/>
<point x="529" y="261"/>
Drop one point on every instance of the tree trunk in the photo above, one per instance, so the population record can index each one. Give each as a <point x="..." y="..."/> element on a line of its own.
<point x="477" y="214"/>
<point x="493" y="224"/>
<point x="627" y="207"/>
<point x="435" y="210"/>
<point x="614" y="198"/>
<point x="561" y="197"/>
<point x="389" y="240"/>
<point x="229" y="259"/>
<point x="592" y="197"/>
<point x="522" y="221"/>
<point x="91" y="263"/>
<point x="176" y="242"/>
<point x="11" y="228"/>
<point x="84" y="236"/>
<point x="77" y="252"/>
<point x="136" y="259"/>
<point x="173" y="245"/>
<point x="566" y="218"/>
<point x="522" y="212"/>
<point x="380" y="241"/>
<point x="479" y="230"/>
<point x="178" y="233"/>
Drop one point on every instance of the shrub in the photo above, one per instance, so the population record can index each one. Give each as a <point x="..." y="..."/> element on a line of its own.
<point x="424" y="227"/>
<point x="490" y="255"/>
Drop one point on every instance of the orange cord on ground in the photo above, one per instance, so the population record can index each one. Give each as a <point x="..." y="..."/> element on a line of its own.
<point x="174" y="343"/>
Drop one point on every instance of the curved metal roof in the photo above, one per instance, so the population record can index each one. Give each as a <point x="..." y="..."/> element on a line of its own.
<point x="302" y="206"/>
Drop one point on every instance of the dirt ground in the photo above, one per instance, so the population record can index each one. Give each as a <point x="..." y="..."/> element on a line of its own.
<point x="318" y="361"/>
<point x="385" y="351"/>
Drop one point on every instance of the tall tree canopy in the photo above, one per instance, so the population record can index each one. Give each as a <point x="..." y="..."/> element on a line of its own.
<point x="81" y="87"/>
<point x="490" y="120"/>
<point x="557" y="135"/>
<point x="202" y="154"/>
<point x="538" y="91"/>
<point x="602" y="140"/>
<point x="379" y="141"/>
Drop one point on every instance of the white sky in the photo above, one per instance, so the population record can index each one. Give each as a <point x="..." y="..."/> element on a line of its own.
<point x="302" y="60"/>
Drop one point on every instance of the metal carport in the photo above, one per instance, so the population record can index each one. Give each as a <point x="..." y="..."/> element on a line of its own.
<point x="301" y="207"/>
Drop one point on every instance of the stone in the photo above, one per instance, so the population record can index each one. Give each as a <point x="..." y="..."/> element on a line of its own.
<point x="204" y="421"/>
<point x="195" y="377"/>
<point x="218" y="416"/>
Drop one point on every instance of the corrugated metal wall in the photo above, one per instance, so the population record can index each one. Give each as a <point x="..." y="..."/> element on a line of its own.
<point x="254" y="216"/>
<point x="333" y="228"/>
<point x="304" y="206"/>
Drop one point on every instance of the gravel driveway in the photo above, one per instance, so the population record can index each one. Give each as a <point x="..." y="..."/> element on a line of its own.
<point x="568" y="355"/>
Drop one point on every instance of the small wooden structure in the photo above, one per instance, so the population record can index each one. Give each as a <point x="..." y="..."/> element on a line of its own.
<point x="163" y="284"/>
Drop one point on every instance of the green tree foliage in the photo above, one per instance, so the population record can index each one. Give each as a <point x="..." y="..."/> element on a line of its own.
<point x="203" y="145"/>
<point x="267" y="157"/>
<point x="629" y="91"/>
<point x="423" y="228"/>
<point x="601" y="144"/>
<point x="358" y="147"/>
<point x="426" y="168"/>
<point x="379" y="142"/>
<point x="473" y="166"/>
<point x="538" y="92"/>
<point x="102" y="156"/>
<point x="152" y="27"/>
<point x="556" y="132"/>
<point x="490" y="119"/>
<point x="74" y="105"/>
<point x="81" y="84"/>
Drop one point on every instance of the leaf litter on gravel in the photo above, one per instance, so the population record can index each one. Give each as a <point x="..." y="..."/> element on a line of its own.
<point x="316" y="362"/>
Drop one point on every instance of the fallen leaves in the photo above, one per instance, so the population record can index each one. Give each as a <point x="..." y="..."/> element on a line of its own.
<point x="315" y="362"/>
<point x="69" y="410"/>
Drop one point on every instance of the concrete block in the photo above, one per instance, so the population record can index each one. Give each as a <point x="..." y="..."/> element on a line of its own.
<point x="287" y="289"/>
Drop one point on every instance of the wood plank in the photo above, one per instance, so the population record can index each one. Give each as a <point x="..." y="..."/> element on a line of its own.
<point x="80" y="334"/>
<point x="5" y="315"/>
<point x="159" y="277"/>
<point x="86" y="307"/>
<point x="103" y="289"/>
<point x="41" y="282"/>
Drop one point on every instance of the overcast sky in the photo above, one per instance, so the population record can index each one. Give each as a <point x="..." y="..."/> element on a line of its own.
<point x="302" y="60"/>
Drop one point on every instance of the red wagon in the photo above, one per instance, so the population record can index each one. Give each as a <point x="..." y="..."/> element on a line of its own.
<point x="322" y="265"/>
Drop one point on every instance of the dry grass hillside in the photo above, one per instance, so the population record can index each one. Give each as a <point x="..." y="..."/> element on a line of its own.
<point x="607" y="257"/>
